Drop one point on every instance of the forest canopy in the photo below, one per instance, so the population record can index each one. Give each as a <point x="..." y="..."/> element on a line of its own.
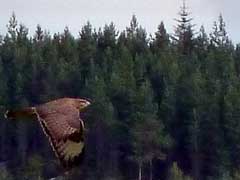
<point x="165" y="106"/>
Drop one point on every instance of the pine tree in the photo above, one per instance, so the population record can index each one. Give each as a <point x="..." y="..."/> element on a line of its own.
<point x="106" y="45"/>
<point x="149" y="139"/>
<point x="219" y="35"/>
<point x="202" y="46"/>
<point x="184" y="33"/>
<point x="38" y="34"/>
<point x="161" y="41"/>
<point x="86" y="52"/>
<point x="136" y="38"/>
<point x="12" y="27"/>
<point x="107" y="38"/>
<point x="67" y="63"/>
<point x="177" y="174"/>
<point x="237" y="60"/>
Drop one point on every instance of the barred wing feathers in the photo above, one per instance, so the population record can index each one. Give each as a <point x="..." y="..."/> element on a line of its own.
<point x="62" y="125"/>
<point x="64" y="129"/>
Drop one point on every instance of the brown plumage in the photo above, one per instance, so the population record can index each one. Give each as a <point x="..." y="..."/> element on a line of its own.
<point x="62" y="125"/>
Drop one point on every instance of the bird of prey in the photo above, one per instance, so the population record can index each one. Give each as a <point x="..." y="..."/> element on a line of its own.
<point x="61" y="123"/>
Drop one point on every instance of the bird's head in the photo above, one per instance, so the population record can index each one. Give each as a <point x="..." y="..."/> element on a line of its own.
<point x="82" y="104"/>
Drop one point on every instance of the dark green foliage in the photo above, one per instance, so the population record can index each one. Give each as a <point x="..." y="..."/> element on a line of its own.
<point x="163" y="108"/>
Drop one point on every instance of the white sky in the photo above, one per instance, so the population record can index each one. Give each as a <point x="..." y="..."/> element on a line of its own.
<point x="54" y="15"/>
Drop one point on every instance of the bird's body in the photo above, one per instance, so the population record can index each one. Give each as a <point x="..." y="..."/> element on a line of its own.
<point x="61" y="124"/>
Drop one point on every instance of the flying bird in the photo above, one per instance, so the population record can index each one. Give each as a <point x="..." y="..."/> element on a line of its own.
<point x="60" y="120"/>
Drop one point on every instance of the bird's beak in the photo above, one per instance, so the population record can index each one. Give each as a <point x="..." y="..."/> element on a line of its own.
<point x="85" y="105"/>
<point x="88" y="103"/>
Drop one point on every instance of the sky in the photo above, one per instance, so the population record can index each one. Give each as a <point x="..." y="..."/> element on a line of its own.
<point x="54" y="15"/>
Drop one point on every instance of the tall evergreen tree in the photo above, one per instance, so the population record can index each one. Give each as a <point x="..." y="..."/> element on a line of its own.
<point x="184" y="32"/>
<point x="86" y="52"/>
<point x="219" y="35"/>
<point x="136" y="40"/>
<point x="161" y="41"/>
<point x="149" y="139"/>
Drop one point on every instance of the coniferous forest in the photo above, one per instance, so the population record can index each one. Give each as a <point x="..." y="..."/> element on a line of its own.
<point x="165" y="106"/>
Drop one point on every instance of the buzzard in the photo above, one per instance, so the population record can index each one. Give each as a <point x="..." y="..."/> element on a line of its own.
<point x="61" y="123"/>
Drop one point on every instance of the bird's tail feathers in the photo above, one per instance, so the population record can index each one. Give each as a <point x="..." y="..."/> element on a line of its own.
<point x="28" y="112"/>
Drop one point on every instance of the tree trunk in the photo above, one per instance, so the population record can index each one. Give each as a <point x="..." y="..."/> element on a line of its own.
<point x="195" y="154"/>
<point x="140" y="171"/>
<point x="196" y="166"/>
<point x="3" y="133"/>
<point x="22" y="142"/>
<point x="151" y="170"/>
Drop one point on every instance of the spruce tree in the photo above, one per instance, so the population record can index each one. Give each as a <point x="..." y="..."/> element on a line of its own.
<point x="184" y="32"/>
<point x="161" y="41"/>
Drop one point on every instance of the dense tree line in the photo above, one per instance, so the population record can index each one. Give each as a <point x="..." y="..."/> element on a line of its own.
<point x="165" y="106"/>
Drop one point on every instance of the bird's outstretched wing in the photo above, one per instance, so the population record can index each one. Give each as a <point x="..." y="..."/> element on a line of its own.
<point x="62" y="125"/>
<point x="65" y="132"/>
